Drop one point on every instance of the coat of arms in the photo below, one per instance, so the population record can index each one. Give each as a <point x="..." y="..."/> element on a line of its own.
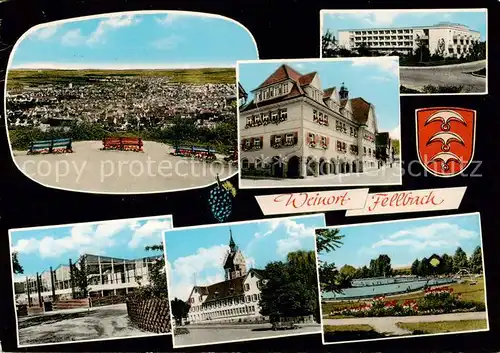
<point x="445" y="139"/>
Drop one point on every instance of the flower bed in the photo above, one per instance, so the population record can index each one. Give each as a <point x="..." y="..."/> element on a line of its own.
<point x="438" y="300"/>
<point x="54" y="151"/>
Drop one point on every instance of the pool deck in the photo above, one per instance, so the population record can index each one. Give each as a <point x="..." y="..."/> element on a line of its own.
<point x="387" y="325"/>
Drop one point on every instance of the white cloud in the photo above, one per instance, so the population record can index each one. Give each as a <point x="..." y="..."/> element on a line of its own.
<point x="72" y="37"/>
<point x="387" y="65"/>
<point x="395" y="133"/>
<point x="295" y="233"/>
<point x="167" y="20"/>
<point x="75" y="37"/>
<point x="88" y="238"/>
<point x="167" y="43"/>
<point x="436" y="235"/>
<point x="186" y="270"/>
<point x="152" y="230"/>
<point x="380" y="78"/>
<point x="122" y="66"/>
<point x="378" y="18"/>
<point x="46" y="32"/>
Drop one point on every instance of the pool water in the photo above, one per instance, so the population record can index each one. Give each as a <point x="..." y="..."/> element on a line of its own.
<point x="372" y="287"/>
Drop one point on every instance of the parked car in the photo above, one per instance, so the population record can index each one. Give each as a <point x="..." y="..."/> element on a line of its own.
<point x="284" y="325"/>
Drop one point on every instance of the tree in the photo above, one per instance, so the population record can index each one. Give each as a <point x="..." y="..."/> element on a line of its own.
<point x="424" y="267"/>
<point x="348" y="271"/>
<point x="381" y="266"/>
<point x="180" y="310"/>
<point x="447" y="264"/>
<point x="285" y="293"/>
<point x="157" y="286"/>
<point x="330" y="279"/>
<point x="395" y="146"/>
<point x="328" y="240"/>
<point x="16" y="266"/>
<point x="441" y="46"/>
<point x="363" y="50"/>
<point x="476" y="261"/>
<point x="477" y="51"/>
<point x="415" y="267"/>
<point x="79" y="277"/>
<point x="460" y="260"/>
<point x="329" y="45"/>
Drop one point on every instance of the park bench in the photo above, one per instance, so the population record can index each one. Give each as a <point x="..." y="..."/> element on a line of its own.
<point x="122" y="143"/>
<point x="195" y="152"/>
<point x="63" y="145"/>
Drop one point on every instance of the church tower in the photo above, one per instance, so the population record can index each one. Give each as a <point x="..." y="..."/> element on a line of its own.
<point x="344" y="92"/>
<point x="234" y="263"/>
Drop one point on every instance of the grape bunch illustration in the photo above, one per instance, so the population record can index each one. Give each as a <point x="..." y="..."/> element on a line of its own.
<point x="221" y="200"/>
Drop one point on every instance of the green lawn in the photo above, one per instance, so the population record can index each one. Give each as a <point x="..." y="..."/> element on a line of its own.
<point x="349" y="333"/>
<point x="444" y="326"/>
<point x="467" y="292"/>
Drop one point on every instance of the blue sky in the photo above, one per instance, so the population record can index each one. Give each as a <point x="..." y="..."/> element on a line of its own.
<point x="335" y="20"/>
<point x="405" y="241"/>
<point x="379" y="86"/>
<point x="198" y="252"/>
<point x="40" y="248"/>
<point x="137" y="40"/>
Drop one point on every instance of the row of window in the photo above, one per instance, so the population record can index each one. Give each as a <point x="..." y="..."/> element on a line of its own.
<point x="386" y="31"/>
<point x="224" y="313"/>
<point x="368" y="136"/>
<point x="386" y="44"/>
<point x="315" y="140"/>
<point x="272" y="91"/>
<point x="284" y="140"/>
<point x="225" y="302"/>
<point x="383" y="38"/>
<point x="320" y="118"/>
<point x="266" y="118"/>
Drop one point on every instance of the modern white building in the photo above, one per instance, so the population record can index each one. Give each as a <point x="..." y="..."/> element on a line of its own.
<point x="105" y="275"/>
<point x="451" y="38"/>
<point x="234" y="299"/>
<point x="294" y="128"/>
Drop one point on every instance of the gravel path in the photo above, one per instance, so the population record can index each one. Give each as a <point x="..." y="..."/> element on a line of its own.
<point x="454" y="75"/>
<point x="89" y="169"/>
<point x="387" y="325"/>
<point x="77" y="325"/>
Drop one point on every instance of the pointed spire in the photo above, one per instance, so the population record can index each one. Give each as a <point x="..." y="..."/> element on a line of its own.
<point x="232" y="244"/>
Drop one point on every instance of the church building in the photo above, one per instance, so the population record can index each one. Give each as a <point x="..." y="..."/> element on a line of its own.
<point x="234" y="299"/>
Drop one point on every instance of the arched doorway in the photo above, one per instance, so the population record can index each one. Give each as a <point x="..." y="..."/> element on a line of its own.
<point x="293" y="167"/>
<point x="333" y="167"/>
<point x="324" y="167"/>
<point x="347" y="167"/>
<point x="354" y="166"/>
<point x="311" y="166"/>
<point x="277" y="167"/>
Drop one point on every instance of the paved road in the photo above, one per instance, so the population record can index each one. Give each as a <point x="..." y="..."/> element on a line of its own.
<point x="92" y="170"/>
<point x="77" y="325"/>
<point x="455" y="75"/>
<point x="206" y="334"/>
<point x="372" y="177"/>
<point x="387" y="325"/>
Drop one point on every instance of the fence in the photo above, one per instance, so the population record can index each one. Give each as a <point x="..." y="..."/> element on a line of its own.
<point x="152" y="315"/>
<point x="108" y="300"/>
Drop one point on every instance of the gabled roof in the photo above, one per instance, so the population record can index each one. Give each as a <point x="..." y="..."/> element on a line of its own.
<point x="360" y="110"/>
<point x="226" y="289"/>
<point x="327" y="93"/>
<point x="282" y="73"/>
<point x="307" y="78"/>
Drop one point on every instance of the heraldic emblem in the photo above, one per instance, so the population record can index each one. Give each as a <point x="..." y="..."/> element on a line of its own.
<point x="445" y="139"/>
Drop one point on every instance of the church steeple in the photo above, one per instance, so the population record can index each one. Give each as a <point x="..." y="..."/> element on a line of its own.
<point x="234" y="263"/>
<point x="344" y="92"/>
<point x="232" y="244"/>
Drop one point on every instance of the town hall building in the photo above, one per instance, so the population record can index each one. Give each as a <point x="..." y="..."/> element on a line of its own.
<point x="293" y="128"/>
<point x="234" y="299"/>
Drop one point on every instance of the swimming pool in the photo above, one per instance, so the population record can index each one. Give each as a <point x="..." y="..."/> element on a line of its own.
<point x="372" y="287"/>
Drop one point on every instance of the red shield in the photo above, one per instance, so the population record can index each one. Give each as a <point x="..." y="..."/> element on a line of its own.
<point x="445" y="139"/>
